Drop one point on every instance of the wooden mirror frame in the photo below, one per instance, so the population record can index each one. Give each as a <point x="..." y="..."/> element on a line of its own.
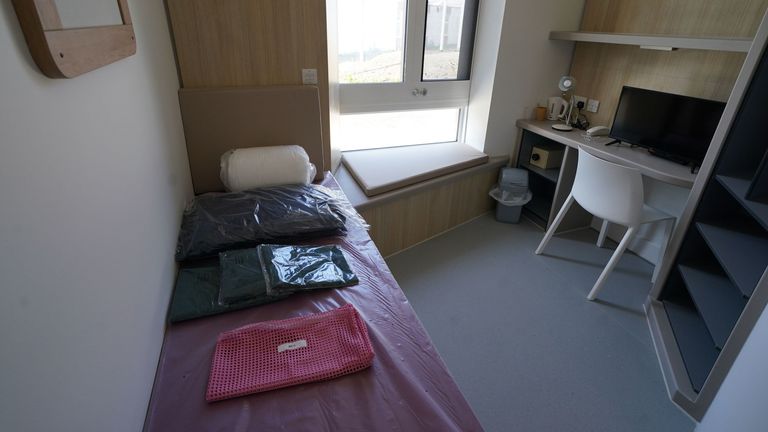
<point x="67" y="53"/>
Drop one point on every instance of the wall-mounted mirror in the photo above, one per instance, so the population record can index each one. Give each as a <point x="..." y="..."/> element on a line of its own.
<point x="88" y="13"/>
<point x="70" y="37"/>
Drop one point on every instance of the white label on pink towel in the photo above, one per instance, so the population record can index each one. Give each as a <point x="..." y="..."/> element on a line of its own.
<point x="301" y="343"/>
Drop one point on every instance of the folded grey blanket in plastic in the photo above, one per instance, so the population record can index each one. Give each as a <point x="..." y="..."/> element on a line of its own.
<point x="216" y="222"/>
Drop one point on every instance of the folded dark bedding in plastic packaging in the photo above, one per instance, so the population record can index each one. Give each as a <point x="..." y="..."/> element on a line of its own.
<point x="197" y="295"/>
<point x="242" y="278"/>
<point x="216" y="222"/>
<point x="289" y="269"/>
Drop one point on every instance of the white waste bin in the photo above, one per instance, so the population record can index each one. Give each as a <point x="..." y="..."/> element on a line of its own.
<point x="508" y="207"/>
<point x="511" y="194"/>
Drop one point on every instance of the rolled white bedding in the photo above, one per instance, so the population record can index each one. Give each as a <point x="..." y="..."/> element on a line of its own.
<point x="253" y="167"/>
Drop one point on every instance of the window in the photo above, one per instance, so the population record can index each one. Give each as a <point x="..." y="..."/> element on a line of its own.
<point x="407" y="61"/>
<point x="371" y="41"/>
<point x="444" y="58"/>
<point x="399" y="128"/>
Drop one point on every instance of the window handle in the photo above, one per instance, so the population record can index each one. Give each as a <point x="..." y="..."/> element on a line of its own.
<point x="419" y="91"/>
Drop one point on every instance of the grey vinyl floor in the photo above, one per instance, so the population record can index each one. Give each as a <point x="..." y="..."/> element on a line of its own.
<point x="527" y="349"/>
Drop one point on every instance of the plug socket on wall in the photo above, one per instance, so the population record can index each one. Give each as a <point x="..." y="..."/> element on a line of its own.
<point x="309" y="76"/>
<point x="593" y="105"/>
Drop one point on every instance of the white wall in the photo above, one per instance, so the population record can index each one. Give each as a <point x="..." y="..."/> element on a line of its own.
<point x="741" y="403"/>
<point x="527" y="67"/>
<point x="490" y="16"/>
<point x="93" y="178"/>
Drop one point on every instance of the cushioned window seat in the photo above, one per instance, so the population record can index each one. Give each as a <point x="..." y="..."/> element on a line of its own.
<point x="374" y="176"/>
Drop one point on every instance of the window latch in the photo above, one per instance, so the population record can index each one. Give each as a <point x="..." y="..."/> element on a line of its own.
<point x="419" y="91"/>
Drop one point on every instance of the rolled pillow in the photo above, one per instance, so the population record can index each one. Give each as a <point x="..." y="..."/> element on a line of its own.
<point x="254" y="167"/>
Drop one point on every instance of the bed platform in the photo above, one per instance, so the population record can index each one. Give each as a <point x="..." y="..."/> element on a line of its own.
<point x="408" y="388"/>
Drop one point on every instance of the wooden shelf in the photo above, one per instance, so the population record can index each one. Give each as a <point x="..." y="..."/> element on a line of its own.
<point x="718" y="301"/>
<point x="551" y="174"/>
<point x="742" y="253"/>
<point x="738" y="188"/>
<point x="663" y="41"/>
<point x="693" y="339"/>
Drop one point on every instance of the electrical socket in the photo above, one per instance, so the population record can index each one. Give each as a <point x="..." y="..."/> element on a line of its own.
<point x="593" y="105"/>
<point x="577" y="99"/>
<point x="309" y="76"/>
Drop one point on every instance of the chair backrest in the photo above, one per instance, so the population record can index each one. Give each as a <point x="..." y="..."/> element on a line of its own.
<point x="608" y="190"/>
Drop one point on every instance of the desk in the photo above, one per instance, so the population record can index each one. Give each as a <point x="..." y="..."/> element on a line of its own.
<point x="551" y="187"/>
<point x="651" y="166"/>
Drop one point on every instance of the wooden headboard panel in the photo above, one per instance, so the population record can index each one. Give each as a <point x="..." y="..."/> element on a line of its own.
<point x="220" y="119"/>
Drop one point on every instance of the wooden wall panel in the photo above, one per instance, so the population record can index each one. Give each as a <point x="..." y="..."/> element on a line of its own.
<point x="252" y="43"/>
<point x="601" y="70"/>
<point x="405" y="222"/>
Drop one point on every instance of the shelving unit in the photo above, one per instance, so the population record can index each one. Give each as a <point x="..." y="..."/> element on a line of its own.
<point x="656" y="41"/>
<point x="713" y="284"/>
<point x="543" y="183"/>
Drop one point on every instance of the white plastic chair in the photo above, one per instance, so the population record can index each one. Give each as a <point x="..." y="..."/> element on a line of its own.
<point x="613" y="193"/>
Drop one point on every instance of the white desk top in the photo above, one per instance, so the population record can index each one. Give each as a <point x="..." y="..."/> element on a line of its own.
<point x="651" y="166"/>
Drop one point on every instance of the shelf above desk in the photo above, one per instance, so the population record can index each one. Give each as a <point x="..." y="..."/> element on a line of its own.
<point x="649" y="165"/>
<point x="647" y="40"/>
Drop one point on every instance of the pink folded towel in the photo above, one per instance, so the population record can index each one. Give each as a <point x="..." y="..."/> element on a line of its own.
<point x="275" y="354"/>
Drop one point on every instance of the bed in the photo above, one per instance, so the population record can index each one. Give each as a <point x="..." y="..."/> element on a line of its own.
<point x="408" y="387"/>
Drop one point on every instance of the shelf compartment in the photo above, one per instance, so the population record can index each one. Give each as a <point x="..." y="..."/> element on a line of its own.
<point x="543" y="192"/>
<point x="718" y="301"/>
<point x="535" y="218"/>
<point x="696" y="348"/>
<point x="738" y="187"/>
<point x="687" y="42"/>
<point x="742" y="251"/>
<point x="694" y="341"/>
<point x="551" y="174"/>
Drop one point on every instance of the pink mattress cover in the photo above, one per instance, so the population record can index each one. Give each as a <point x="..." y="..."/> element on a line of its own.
<point x="408" y="387"/>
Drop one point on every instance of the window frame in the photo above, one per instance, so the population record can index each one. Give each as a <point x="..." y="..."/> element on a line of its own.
<point x="413" y="92"/>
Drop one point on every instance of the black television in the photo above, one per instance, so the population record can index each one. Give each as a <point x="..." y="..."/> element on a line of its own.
<point x="671" y="126"/>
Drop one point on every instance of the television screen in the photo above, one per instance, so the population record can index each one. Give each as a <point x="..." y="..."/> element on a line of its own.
<point x="676" y="127"/>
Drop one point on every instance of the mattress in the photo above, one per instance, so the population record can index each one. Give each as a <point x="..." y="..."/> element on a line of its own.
<point x="408" y="387"/>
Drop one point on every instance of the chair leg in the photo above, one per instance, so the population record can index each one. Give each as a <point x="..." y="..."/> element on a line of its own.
<point x="668" y="226"/>
<point x="559" y="218"/>
<point x="603" y="232"/>
<point x="611" y="263"/>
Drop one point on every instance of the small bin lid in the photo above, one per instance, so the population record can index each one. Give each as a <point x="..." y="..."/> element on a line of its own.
<point x="496" y="194"/>
<point x="513" y="176"/>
